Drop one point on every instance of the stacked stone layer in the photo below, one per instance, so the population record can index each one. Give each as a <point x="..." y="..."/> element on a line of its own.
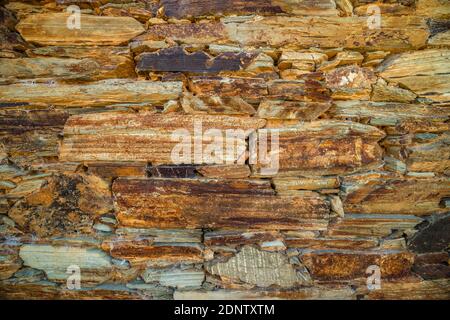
<point x="87" y="176"/>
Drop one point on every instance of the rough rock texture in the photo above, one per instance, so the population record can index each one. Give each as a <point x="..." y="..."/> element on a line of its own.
<point x="225" y="149"/>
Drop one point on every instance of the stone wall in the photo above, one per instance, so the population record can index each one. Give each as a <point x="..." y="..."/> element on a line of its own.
<point x="356" y="92"/>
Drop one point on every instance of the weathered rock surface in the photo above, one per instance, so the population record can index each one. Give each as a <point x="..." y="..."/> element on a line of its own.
<point x="206" y="149"/>
<point x="350" y="265"/>
<point x="101" y="93"/>
<point x="400" y="34"/>
<point x="153" y="247"/>
<point x="156" y="138"/>
<point x="258" y="268"/>
<point x="325" y="148"/>
<point x="57" y="261"/>
<point x="208" y="203"/>
<point x="424" y="72"/>
<point x="383" y="193"/>
<point x="176" y="59"/>
<point x="53" y="29"/>
<point x="64" y="204"/>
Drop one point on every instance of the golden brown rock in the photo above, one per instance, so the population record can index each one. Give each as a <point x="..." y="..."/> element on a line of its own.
<point x="350" y="265"/>
<point x="57" y="29"/>
<point x="155" y="138"/>
<point x="65" y="204"/>
<point x="395" y="34"/>
<point x="281" y="109"/>
<point x="208" y="203"/>
<point x="101" y="93"/>
<point x="384" y="193"/>
<point x="423" y="72"/>
<point x="323" y="148"/>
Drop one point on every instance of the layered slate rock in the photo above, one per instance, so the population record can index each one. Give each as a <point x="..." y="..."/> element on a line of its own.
<point x="208" y="203"/>
<point x="177" y="59"/>
<point x="135" y="149"/>
<point x="395" y="33"/>
<point x="392" y="114"/>
<point x="373" y="225"/>
<point x="156" y="138"/>
<point x="52" y="29"/>
<point x="64" y="204"/>
<point x="107" y="62"/>
<point x="259" y="268"/>
<point x="350" y="265"/>
<point x="282" y="109"/>
<point x="325" y="292"/>
<point x="31" y="136"/>
<point x="433" y="237"/>
<point x="324" y="147"/>
<point x="51" y="68"/>
<point x="299" y="90"/>
<point x="101" y="93"/>
<point x="155" y="248"/>
<point x="192" y="8"/>
<point x="11" y="43"/>
<point x="424" y="72"/>
<point x="247" y="88"/>
<point x="95" y="266"/>
<point x="195" y="8"/>
<point x="414" y="289"/>
<point x="387" y="193"/>
<point x="181" y="279"/>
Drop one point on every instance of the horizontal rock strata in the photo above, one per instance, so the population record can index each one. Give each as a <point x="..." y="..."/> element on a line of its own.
<point x="224" y="149"/>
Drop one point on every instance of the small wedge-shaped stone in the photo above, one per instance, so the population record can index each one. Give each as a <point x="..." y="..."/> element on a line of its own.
<point x="424" y="72"/>
<point x="323" y="147"/>
<point x="385" y="193"/>
<point x="153" y="137"/>
<point x="247" y="88"/>
<point x="259" y="268"/>
<point x="101" y="93"/>
<point x="299" y="90"/>
<point x="306" y="183"/>
<point x="94" y="264"/>
<point x="280" y="109"/>
<point x="210" y="203"/>
<point x="53" y="29"/>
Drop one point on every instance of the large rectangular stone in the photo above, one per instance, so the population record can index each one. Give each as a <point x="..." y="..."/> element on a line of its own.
<point x="53" y="29"/>
<point x="208" y="203"/>
<point x="100" y="93"/>
<point x="323" y="147"/>
<point x="424" y="72"/>
<point x="395" y="33"/>
<point x="383" y="193"/>
<point x="155" y="138"/>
